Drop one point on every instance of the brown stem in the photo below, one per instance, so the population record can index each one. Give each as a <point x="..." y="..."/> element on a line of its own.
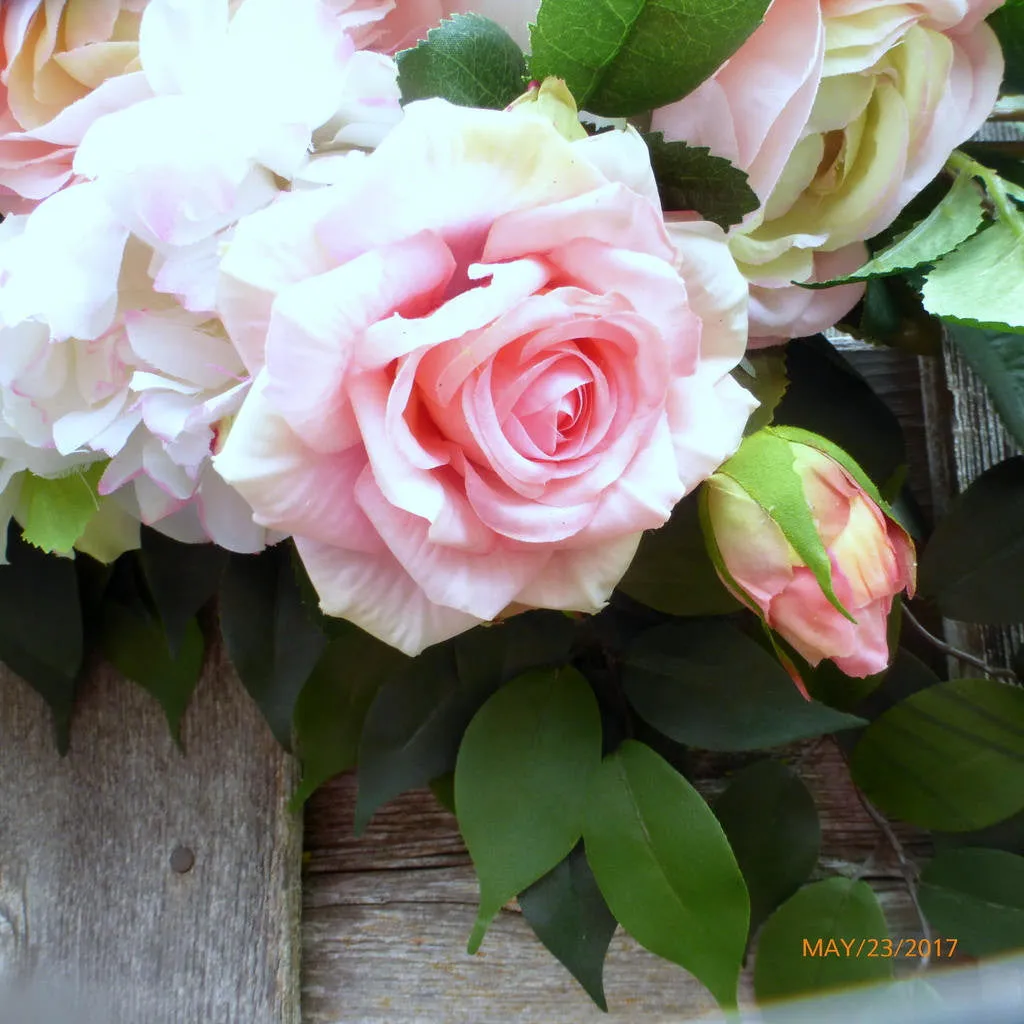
<point x="955" y="652"/>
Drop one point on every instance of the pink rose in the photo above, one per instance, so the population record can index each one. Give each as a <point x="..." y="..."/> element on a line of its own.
<point x="870" y="556"/>
<point x="482" y="370"/>
<point x="841" y="112"/>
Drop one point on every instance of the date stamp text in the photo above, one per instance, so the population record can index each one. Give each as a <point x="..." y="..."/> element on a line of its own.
<point x="824" y="948"/>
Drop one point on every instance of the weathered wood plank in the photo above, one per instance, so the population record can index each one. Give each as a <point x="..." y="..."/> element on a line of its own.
<point x="92" y="848"/>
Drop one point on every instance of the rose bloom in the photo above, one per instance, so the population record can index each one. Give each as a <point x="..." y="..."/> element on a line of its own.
<point x="841" y="112"/>
<point x="482" y="370"/>
<point x="872" y="560"/>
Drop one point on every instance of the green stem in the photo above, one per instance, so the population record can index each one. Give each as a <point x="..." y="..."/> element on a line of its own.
<point x="996" y="188"/>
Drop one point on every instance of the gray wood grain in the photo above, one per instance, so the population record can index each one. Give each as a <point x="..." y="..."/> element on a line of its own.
<point x="90" y="904"/>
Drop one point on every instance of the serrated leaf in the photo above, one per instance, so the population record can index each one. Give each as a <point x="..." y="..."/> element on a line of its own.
<point x="763" y="374"/>
<point x="332" y="706"/>
<point x="982" y="282"/>
<point x="998" y="359"/>
<point x="568" y="914"/>
<point x="625" y="57"/>
<point x="974" y="562"/>
<point x="977" y="897"/>
<point x="181" y="578"/>
<point x="837" y="908"/>
<point x="55" y="512"/>
<point x="891" y="314"/>
<point x="41" y="627"/>
<point x="136" y="645"/>
<point x="416" y="721"/>
<point x="951" y="222"/>
<point x="521" y="782"/>
<point x="672" y="572"/>
<point x="950" y="757"/>
<point x="467" y="60"/>
<point x="772" y="825"/>
<point x="706" y="684"/>
<point x="272" y="638"/>
<point x="691" y="178"/>
<point x="665" y="868"/>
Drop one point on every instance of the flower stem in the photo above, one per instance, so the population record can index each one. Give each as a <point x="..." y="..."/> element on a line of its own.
<point x="998" y="190"/>
<point x="955" y="652"/>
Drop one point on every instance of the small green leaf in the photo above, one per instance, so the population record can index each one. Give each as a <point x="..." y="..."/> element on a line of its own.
<point x="665" y="868"/>
<point x="950" y="757"/>
<point x="521" y="781"/>
<point x="977" y="897"/>
<point x="271" y="636"/>
<point x="467" y="60"/>
<point x="625" y="57"/>
<point x="772" y="825"/>
<point x="691" y="178"/>
<point x="41" y="627"/>
<point x="892" y="315"/>
<point x="332" y="706"/>
<point x="181" y="578"/>
<point x="136" y="645"/>
<point x="791" y="961"/>
<point x="55" y="512"/>
<point x="706" y="684"/>
<point x="672" y="572"/>
<point x="974" y="562"/>
<point x="952" y="221"/>
<point x="763" y="374"/>
<point x="982" y="282"/>
<point x="568" y="914"/>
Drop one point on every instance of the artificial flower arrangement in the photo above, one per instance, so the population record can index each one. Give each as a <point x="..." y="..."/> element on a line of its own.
<point x="487" y="394"/>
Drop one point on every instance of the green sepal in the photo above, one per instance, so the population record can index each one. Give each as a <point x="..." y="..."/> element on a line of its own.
<point x="54" y="512"/>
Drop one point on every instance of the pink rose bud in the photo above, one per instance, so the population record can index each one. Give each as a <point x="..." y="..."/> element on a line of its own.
<point x="802" y="537"/>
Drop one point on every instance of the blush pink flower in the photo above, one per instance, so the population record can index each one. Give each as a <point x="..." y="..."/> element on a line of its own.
<point x="841" y="111"/>
<point x="482" y="370"/>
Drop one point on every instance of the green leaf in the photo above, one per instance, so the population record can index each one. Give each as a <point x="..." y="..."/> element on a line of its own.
<point x="1007" y="835"/>
<point x="55" y="512"/>
<point x="521" y="781"/>
<point x="41" y="627"/>
<point x="706" y="684"/>
<point x="790" y="962"/>
<point x="772" y="825"/>
<point x="1008" y="23"/>
<point x="982" y="283"/>
<point x="136" y="645"/>
<point x="763" y="374"/>
<point x="665" y="868"/>
<point x="625" y="57"/>
<point x="672" y="571"/>
<point x="950" y="757"/>
<point x="974" y="562"/>
<point x="691" y="178"/>
<point x="271" y="636"/>
<point x="998" y="359"/>
<point x="332" y="706"/>
<point x="892" y="315"/>
<point x="951" y="222"/>
<point x="468" y="60"/>
<point x="181" y="579"/>
<point x="568" y="914"/>
<point x="416" y="721"/>
<point x="977" y="897"/>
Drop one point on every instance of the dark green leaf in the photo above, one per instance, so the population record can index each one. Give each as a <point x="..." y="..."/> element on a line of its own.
<point x="672" y="571"/>
<point x="950" y="757"/>
<point x="977" y="897"/>
<point x="332" y="706"/>
<point x="521" y="781"/>
<point x="973" y="565"/>
<point x="416" y="721"/>
<point x="625" y="57"/>
<point x="181" y="578"/>
<point x="443" y="788"/>
<point x="763" y="374"/>
<point x="568" y="914"/>
<point x="1008" y="23"/>
<point x="41" y="627"/>
<point x="270" y="635"/>
<point x="772" y="825"/>
<point x="665" y="868"/>
<point x="891" y="314"/>
<point x="468" y="60"/>
<point x="1005" y="835"/>
<point x="136" y="645"/>
<point x="706" y="684"/>
<point x="791" y="961"/>
<point x="691" y="178"/>
<point x="998" y="359"/>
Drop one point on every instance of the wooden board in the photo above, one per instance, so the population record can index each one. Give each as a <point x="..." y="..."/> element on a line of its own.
<point x="89" y="899"/>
